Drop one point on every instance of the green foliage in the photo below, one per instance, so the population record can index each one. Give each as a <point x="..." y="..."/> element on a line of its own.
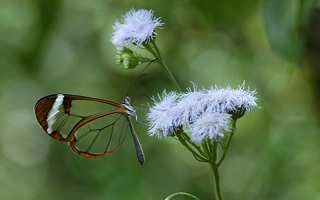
<point x="64" y="46"/>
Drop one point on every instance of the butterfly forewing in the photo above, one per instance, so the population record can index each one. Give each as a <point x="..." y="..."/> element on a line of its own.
<point x="60" y="113"/>
<point x="91" y="126"/>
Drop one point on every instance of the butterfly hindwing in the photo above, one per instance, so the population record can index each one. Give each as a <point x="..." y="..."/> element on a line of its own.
<point x="101" y="136"/>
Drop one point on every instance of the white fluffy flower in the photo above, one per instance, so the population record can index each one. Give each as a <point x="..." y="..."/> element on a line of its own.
<point x="206" y="113"/>
<point x="137" y="28"/>
<point x="190" y="104"/>
<point x="164" y="116"/>
<point x="210" y="125"/>
<point x="230" y="99"/>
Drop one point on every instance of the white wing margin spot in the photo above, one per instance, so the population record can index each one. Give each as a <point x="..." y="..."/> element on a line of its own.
<point x="52" y="115"/>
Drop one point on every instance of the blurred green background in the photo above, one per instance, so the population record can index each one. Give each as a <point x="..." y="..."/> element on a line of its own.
<point x="64" y="47"/>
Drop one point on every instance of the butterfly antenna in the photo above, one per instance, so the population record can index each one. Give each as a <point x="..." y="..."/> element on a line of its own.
<point x="151" y="99"/>
<point x="138" y="76"/>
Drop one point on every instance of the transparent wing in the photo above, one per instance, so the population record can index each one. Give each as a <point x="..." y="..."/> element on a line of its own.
<point x="93" y="127"/>
<point x="101" y="136"/>
<point x="58" y="114"/>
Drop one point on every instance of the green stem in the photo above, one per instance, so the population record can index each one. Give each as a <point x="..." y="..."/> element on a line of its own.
<point x="225" y="150"/>
<point x="188" y="140"/>
<point x="213" y="150"/>
<point x="171" y="77"/>
<point x="206" y="149"/>
<point x="217" y="187"/>
<point x="181" y="194"/>
<point x="156" y="52"/>
<point x="184" y="143"/>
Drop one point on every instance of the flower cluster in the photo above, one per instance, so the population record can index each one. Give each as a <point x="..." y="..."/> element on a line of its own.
<point x="206" y="113"/>
<point x="137" y="28"/>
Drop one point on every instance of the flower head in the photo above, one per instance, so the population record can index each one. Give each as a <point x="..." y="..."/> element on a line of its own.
<point x="231" y="100"/>
<point x="190" y="104"/>
<point x="210" y="125"/>
<point x="137" y="28"/>
<point x="206" y="113"/>
<point x="164" y="116"/>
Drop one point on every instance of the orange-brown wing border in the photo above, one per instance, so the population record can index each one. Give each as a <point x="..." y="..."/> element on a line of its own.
<point x="45" y="104"/>
<point x="84" y="121"/>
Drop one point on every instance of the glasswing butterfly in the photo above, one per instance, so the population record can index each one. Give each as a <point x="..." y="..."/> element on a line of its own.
<point x="93" y="127"/>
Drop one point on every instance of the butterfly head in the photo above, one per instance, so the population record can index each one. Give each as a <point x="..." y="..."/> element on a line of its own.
<point x="127" y="106"/>
<point x="126" y="100"/>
